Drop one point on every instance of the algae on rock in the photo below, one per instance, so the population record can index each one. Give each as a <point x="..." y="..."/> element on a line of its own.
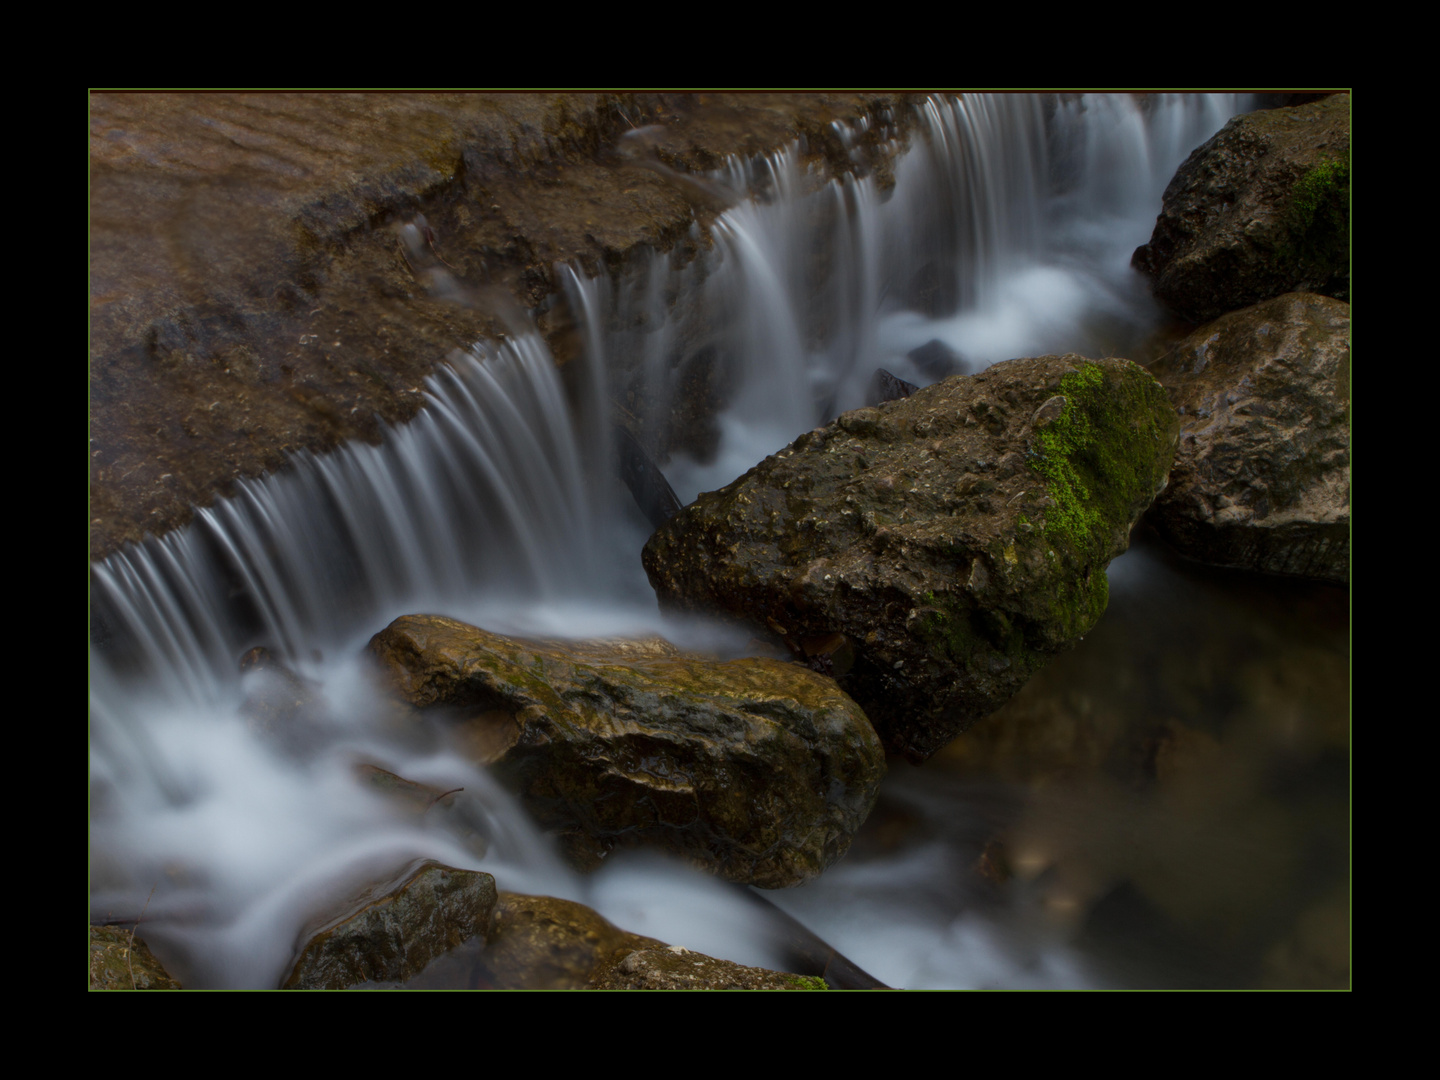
<point x="946" y="544"/>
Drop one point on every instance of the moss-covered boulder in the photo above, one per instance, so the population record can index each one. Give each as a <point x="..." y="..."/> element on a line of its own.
<point x="755" y="769"/>
<point x="1261" y="209"/>
<point x="1262" y="477"/>
<point x="395" y="929"/>
<point x="933" y="552"/>
<point x="121" y="961"/>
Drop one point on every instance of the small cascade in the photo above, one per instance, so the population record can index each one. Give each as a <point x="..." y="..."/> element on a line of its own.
<point x="1003" y="235"/>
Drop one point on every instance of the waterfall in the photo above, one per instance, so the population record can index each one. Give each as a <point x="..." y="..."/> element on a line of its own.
<point x="1002" y="236"/>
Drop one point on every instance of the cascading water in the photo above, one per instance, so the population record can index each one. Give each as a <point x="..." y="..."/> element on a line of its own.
<point x="1007" y="233"/>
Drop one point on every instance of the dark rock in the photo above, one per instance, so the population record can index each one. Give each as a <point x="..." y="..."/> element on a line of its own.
<point x="121" y="961"/>
<point x="957" y="538"/>
<point x="1261" y="209"/>
<point x="675" y="968"/>
<point x="394" y="930"/>
<point x="1262" y="477"/>
<point x="652" y="492"/>
<point x="937" y="360"/>
<point x="886" y="387"/>
<point x="758" y="770"/>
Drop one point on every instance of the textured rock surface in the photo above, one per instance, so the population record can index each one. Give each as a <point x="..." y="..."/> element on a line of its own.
<point x="1259" y="210"/>
<point x="396" y="930"/>
<point x="680" y="969"/>
<point x="119" y="961"/>
<point x="544" y="943"/>
<point x="933" y="552"/>
<point x="1262" y="477"/>
<point x="758" y="770"/>
<point x="251" y="292"/>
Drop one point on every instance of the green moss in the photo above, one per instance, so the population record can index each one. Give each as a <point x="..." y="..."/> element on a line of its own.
<point x="1318" y="223"/>
<point x="1101" y="458"/>
<point x="808" y="982"/>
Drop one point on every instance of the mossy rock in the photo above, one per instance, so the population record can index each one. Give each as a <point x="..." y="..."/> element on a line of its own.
<point x="953" y="540"/>
<point x="1260" y="210"/>
<point x="121" y="961"/>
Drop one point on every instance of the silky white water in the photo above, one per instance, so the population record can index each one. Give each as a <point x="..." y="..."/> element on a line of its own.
<point x="1007" y="233"/>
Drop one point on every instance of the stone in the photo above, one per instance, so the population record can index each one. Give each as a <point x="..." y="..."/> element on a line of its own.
<point x="545" y="943"/>
<point x="1262" y="476"/>
<point x="394" y="930"/>
<point x="119" y="960"/>
<point x="675" y="968"/>
<point x="755" y="769"/>
<point x="1261" y="209"/>
<point x="954" y="540"/>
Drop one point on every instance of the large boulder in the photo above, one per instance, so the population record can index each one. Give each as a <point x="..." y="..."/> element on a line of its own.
<point x="1262" y="477"/>
<point x="1261" y="209"/>
<point x="933" y="552"/>
<point x="758" y="770"/>
<point x="394" y="930"/>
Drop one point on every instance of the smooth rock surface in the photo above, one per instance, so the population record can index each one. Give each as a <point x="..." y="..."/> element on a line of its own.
<point x="396" y="929"/>
<point x="757" y="770"/>
<point x="1260" y="210"/>
<point x="1262" y="476"/>
<point x="933" y="552"/>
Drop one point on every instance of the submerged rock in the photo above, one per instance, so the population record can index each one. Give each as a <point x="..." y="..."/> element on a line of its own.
<point x="395" y="930"/>
<point x="1261" y="209"/>
<point x="121" y="961"/>
<point x="952" y="540"/>
<point x="545" y="943"/>
<point x="1262" y="476"/>
<point x="758" y="770"/>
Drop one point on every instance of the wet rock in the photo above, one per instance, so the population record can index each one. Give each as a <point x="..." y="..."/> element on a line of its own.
<point x="394" y="930"/>
<point x="460" y="815"/>
<point x="680" y="969"/>
<point x="758" y="770"/>
<point x="1261" y="209"/>
<point x="543" y="943"/>
<point x="937" y="360"/>
<point x="279" y="704"/>
<point x="649" y="488"/>
<point x="957" y="538"/>
<point x="1262" y="476"/>
<point x="887" y="387"/>
<point x="119" y="960"/>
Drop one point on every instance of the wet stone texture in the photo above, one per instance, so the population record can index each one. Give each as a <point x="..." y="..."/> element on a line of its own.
<point x="757" y="770"/>
<point x="933" y="552"/>
<point x="1261" y="209"/>
<point x="254" y="294"/>
<point x="121" y="961"/>
<point x="1262" y="476"/>
<point x="396" y="930"/>
<point x="680" y="969"/>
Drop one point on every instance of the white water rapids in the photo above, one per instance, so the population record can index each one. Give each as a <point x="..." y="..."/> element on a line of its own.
<point x="1008" y="233"/>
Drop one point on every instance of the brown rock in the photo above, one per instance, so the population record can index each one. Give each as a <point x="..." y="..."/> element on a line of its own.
<point x="954" y="540"/>
<point x="1261" y="209"/>
<point x="758" y="770"/>
<point x="119" y="960"/>
<point x="1262" y="477"/>
<point x="675" y="968"/>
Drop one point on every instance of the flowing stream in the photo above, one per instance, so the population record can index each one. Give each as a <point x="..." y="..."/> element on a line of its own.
<point x="1007" y="233"/>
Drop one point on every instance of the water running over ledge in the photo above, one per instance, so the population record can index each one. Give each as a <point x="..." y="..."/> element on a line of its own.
<point x="1005" y="234"/>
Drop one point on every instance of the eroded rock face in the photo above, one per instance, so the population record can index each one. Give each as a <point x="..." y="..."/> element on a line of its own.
<point x="933" y="552"/>
<point x="758" y="770"/>
<point x="1260" y="210"/>
<point x="397" y="929"/>
<point x="1262" y="477"/>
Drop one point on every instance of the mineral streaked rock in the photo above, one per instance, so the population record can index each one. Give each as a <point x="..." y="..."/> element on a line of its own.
<point x="1260" y="210"/>
<point x="1262" y="477"/>
<point x="396" y="929"/>
<point x="121" y="961"/>
<point x="758" y="770"/>
<point x="956" y="538"/>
